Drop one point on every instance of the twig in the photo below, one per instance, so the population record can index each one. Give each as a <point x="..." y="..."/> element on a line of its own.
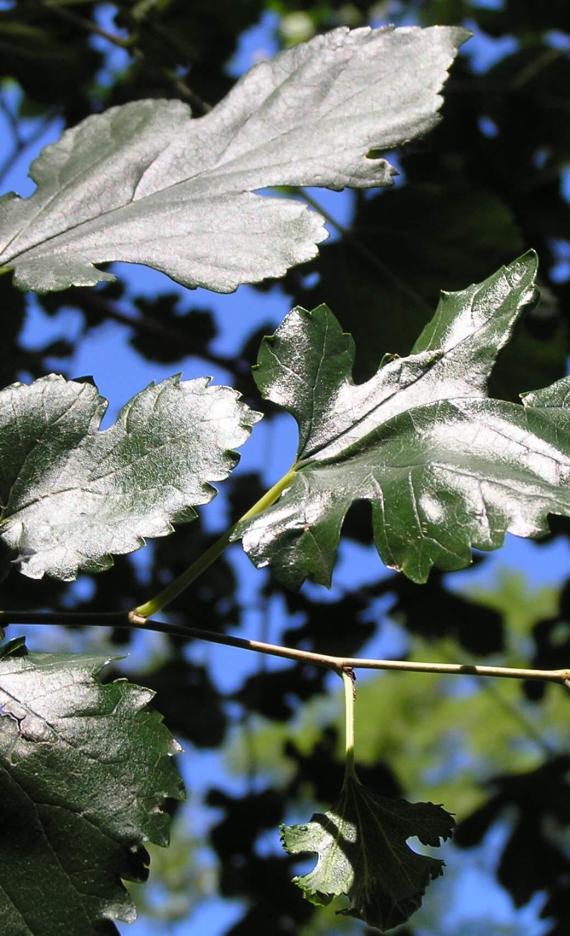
<point x="129" y="45"/>
<point x="542" y="61"/>
<point x="186" y="92"/>
<point x="82" y="22"/>
<point x="170" y="39"/>
<point x="519" y="716"/>
<point x="336" y="663"/>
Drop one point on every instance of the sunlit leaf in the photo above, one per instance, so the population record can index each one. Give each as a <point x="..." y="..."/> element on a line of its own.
<point x="144" y="183"/>
<point x="73" y="496"/>
<point x="445" y="467"/>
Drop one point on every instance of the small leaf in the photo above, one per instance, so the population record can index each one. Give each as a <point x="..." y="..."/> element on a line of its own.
<point x="143" y="183"/>
<point x="363" y="855"/>
<point x="73" y="496"/>
<point x="445" y="467"/>
<point x="84" y="776"/>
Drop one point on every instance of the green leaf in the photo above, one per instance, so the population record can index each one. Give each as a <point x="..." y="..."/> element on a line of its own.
<point x="143" y="183"/>
<point x="84" y="775"/>
<point x="386" y="276"/>
<point x="73" y="496"/>
<point x="445" y="467"/>
<point x="363" y="855"/>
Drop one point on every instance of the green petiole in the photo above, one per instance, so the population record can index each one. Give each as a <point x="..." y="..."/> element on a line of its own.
<point x="168" y="594"/>
<point x="348" y="683"/>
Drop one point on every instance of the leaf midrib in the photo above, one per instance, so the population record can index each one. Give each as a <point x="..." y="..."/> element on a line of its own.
<point x="308" y="456"/>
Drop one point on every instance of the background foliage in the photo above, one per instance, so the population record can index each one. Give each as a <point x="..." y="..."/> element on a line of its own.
<point x="489" y="182"/>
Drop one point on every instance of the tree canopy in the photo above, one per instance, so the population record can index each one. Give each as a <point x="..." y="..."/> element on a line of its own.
<point x="487" y="184"/>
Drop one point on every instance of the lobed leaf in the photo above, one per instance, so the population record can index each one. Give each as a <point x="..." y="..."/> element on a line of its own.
<point x="144" y="183"/>
<point x="85" y="773"/>
<point x="363" y="855"/>
<point x="445" y="467"/>
<point x="73" y="496"/>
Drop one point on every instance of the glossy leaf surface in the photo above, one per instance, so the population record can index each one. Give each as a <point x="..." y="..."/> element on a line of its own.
<point x="144" y="183"/>
<point x="363" y="855"/>
<point x="84" y="775"/>
<point x="73" y="496"/>
<point x="444" y="467"/>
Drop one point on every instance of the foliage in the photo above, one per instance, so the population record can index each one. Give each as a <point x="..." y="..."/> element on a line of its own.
<point x="444" y="467"/>
<point x="145" y="184"/>
<point x="474" y="732"/>
<point x="479" y="190"/>
<point x="73" y="496"/>
<point x="85" y="782"/>
<point x="362" y="853"/>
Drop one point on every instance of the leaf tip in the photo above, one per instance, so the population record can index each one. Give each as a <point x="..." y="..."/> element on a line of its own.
<point x="462" y="34"/>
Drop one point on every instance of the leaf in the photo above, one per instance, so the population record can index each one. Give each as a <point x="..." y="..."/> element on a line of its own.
<point x="72" y="496"/>
<point x="84" y="775"/>
<point x="445" y="467"/>
<point x="401" y="246"/>
<point x="143" y="183"/>
<point x="363" y="855"/>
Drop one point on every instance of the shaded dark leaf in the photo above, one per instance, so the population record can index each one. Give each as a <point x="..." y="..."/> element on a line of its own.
<point x="534" y="857"/>
<point x="434" y="612"/>
<point x="362" y="854"/>
<point x="85" y="776"/>
<point x="188" y="700"/>
<point x="275" y="693"/>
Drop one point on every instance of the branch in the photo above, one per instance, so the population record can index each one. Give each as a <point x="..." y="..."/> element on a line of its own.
<point x="82" y="22"/>
<point x="130" y="620"/>
<point x="171" y="40"/>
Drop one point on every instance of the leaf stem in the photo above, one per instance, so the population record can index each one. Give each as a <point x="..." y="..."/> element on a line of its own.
<point x="130" y="619"/>
<point x="349" y="694"/>
<point x="175" y="588"/>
